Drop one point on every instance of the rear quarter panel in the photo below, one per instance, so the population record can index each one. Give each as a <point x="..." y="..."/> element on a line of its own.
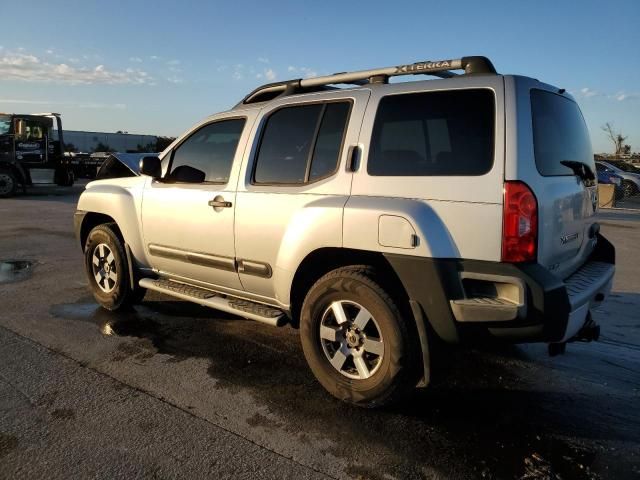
<point x="453" y="216"/>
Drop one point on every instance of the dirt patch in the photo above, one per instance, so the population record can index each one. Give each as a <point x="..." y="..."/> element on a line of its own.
<point x="8" y="443"/>
<point x="63" y="413"/>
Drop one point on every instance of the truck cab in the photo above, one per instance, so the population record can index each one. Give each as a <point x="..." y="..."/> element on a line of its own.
<point x="32" y="151"/>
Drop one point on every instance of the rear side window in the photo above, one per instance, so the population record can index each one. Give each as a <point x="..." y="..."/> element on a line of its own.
<point x="559" y="133"/>
<point x="301" y="144"/>
<point x="210" y="149"/>
<point x="433" y="133"/>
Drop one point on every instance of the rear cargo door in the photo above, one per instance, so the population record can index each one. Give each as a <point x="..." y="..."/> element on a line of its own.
<point x="567" y="198"/>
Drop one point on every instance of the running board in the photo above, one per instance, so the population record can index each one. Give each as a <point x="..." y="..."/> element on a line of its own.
<point x="243" y="308"/>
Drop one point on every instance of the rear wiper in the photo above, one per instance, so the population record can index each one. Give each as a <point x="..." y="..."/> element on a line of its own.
<point x="580" y="169"/>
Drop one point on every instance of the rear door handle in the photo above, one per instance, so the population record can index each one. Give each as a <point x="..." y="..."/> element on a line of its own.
<point x="219" y="203"/>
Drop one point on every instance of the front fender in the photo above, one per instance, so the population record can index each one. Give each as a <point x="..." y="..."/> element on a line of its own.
<point x="121" y="200"/>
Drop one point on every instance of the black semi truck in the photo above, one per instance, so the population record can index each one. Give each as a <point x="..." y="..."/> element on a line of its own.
<point x="32" y="151"/>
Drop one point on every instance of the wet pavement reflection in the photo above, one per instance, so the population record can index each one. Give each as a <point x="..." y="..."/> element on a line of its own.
<point x="14" y="270"/>
<point x="496" y="416"/>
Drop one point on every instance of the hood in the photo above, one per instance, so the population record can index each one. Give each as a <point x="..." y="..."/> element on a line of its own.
<point x="119" y="165"/>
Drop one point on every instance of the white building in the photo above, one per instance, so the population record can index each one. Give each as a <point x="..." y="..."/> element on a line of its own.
<point x="118" y="142"/>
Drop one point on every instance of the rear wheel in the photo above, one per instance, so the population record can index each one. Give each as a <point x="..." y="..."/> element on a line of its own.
<point x="108" y="271"/>
<point x="64" y="177"/>
<point x="8" y="183"/>
<point x="355" y="340"/>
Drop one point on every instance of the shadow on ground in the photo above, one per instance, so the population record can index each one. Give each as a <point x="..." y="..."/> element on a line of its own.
<point x="498" y="416"/>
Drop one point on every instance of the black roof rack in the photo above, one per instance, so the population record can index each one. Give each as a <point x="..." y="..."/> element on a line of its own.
<point x="440" y="68"/>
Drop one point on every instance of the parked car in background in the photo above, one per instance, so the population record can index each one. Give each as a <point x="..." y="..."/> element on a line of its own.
<point x="629" y="174"/>
<point x="608" y="177"/>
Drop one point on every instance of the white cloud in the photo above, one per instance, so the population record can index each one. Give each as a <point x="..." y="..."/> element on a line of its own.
<point x="623" y="96"/>
<point x="305" y="72"/>
<point x="270" y="74"/>
<point x="154" y="57"/>
<point x="174" y="79"/>
<point x="620" y="96"/>
<point x="135" y="59"/>
<point x="263" y="60"/>
<point x="96" y="105"/>
<point x="173" y="62"/>
<point x="29" y="68"/>
<point x="588" y="93"/>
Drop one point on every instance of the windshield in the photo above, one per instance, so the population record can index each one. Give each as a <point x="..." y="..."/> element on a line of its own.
<point x="5" y="124"/>
<point x="559" y="133"/>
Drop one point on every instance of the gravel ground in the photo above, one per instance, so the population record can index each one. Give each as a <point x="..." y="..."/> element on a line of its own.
<point x="175" y="390"/>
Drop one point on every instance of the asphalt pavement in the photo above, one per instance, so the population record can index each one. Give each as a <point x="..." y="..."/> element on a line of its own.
<point x="173" y="390"/>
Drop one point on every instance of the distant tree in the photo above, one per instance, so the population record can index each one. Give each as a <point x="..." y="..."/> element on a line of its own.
<point x="626" y="150"/>
<point x="101" y="147"/>
<point x="163" y="142"/>
<point x="70" y="147"/>
<point x="616" y="137"/>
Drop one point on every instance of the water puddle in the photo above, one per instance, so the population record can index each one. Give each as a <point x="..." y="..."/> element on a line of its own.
<point x="15" y="270"/>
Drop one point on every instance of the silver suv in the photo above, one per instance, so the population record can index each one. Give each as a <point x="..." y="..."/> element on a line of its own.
<point x="379" y="218"/>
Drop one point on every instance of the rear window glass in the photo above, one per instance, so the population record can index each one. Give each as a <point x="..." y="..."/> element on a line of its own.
<point x="559" y="133"/>
<point x="433" y="133"/>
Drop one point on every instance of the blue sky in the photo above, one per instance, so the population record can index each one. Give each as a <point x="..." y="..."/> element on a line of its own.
<point x="158" y="67"/>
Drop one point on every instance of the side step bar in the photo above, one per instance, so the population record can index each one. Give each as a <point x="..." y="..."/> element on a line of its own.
<point x="243" y="308"/>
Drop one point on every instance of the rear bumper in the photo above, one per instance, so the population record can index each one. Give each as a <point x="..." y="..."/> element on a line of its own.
<point x="469" y="300"/>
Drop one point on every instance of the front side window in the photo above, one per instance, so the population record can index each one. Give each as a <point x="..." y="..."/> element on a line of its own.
<point x="210" y="151"/>
<point x="433" y="134"/>
<point x="301" y="144"/>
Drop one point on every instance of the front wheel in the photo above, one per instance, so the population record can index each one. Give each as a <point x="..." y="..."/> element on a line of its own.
<point x="108" y="271"/>
<point x="8" y="183"/>
<point x="355" y="340"/>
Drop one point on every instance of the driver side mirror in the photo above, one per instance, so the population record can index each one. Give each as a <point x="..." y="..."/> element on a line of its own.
<point x="151" y="167"/>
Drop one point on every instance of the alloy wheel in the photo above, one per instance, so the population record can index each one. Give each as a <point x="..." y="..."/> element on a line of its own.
<point x="351" y="339"/>
<point x="104" y="268"/>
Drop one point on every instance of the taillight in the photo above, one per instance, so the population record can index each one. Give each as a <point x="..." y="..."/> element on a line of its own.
<point x="519" y="223"/>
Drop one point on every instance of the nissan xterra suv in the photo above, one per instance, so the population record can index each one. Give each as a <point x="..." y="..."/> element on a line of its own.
<point x="377" y="217"/>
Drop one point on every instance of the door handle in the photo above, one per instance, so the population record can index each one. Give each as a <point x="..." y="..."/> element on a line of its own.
<point x="219" y="203"/>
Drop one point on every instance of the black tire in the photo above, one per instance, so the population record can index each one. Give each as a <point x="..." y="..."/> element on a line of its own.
<point x="8" y="183"/>
<point x="117" y="293"/>
<point x="64" y="177"/>
<point x="629" y="188"/>
<point x="395" y="375"/>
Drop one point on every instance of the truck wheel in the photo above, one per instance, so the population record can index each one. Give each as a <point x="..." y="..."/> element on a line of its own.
<point x="64" y="177"/>
<point x="107" y="270"/>
<point x="8" y="183"/>
<point x="355" y="340"/>
<point x="629" y="188"/>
